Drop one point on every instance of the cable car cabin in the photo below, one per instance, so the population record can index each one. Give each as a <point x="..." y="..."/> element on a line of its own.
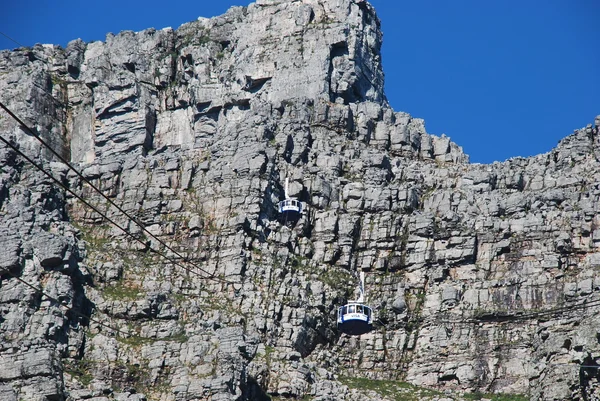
<point x="355" y="319"/>
<point x="290" y="206"/>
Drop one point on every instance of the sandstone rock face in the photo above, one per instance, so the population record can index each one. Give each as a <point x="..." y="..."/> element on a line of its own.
<point x="184" y="283"/>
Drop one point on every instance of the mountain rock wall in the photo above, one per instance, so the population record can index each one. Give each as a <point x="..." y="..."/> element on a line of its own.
<point x="183" y="282"/>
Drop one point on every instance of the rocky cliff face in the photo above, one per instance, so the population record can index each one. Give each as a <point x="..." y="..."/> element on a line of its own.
<point x="184" y="283"/>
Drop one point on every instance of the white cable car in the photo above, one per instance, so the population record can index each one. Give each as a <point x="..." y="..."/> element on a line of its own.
<point x="290" y="207"/>
<point x="356" y="318"/>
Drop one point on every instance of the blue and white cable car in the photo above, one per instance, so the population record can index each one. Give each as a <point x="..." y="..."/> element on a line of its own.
<point x="290" y="208"/>
<point x="355" y="318"/>
<point x="290" y="205"/>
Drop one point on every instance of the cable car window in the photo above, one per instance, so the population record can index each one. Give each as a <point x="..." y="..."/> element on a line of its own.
<point x="351" y="309"/>
<point x="344" y="310"/>
<point x="359" y="309"/>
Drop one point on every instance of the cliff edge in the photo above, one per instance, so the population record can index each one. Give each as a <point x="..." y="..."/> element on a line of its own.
<point x="156" y="265"/>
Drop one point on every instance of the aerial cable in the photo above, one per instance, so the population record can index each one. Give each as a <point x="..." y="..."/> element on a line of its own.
<point x="563" y="309"/>
<point x="524" y="317"/>
<point x="58" y="302"/>
<point x="127" y="232"/>
<point x="11" y="39"/>
<point x="35" y="84"/>
<point x="52" y="75"/>
<point x="110" y="201"/>
<point x="574" y="364"/>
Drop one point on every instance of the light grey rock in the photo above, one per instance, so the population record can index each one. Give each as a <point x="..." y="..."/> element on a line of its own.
<point x="51" y="250"/>
<point x="10" y="252"/>
<point x="399" y="303"/>
<point x="481" y="277"/>
<point x="7" y="393"/>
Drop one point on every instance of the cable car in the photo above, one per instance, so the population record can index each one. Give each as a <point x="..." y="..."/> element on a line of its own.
<point x="356" y="318"/>
<point x="290" y="205"/>
<point x="290" y="208"/>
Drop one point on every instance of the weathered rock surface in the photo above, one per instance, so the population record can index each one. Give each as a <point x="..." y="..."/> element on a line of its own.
<point x="186" y="284"/>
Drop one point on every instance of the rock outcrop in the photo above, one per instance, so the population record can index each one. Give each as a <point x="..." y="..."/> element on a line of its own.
<point x="183" y="282"/>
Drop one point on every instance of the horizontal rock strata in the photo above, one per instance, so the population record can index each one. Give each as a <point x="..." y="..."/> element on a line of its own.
<point x="183" y="282"/>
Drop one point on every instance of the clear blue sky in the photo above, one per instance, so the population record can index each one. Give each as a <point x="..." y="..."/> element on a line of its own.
<point x="501" y="78"/>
